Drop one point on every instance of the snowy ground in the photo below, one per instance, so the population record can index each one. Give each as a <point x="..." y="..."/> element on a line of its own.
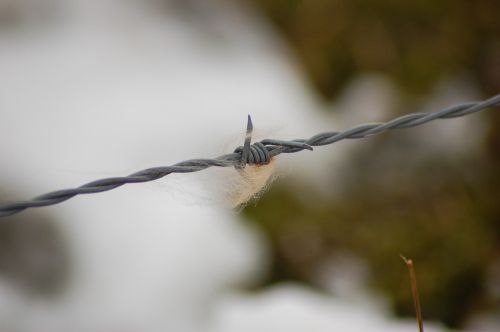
<point x="108" y="87"/>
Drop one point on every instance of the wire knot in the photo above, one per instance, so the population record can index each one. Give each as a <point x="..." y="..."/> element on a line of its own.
<point x="257" y="154"/>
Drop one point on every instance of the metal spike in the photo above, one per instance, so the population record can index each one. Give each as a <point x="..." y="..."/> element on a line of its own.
<point x="246" y="145"/>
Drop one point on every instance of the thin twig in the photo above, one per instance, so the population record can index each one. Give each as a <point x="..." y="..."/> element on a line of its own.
<point x="414" y="291"/>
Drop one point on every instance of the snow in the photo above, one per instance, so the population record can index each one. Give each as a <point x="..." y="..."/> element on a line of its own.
<point x="291" y="308"/>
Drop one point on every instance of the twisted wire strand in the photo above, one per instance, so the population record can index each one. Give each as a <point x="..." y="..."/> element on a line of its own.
<point x="257" y="153"/>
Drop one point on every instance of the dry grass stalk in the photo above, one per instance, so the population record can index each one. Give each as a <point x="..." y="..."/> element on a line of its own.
<point x="414" y="290"/>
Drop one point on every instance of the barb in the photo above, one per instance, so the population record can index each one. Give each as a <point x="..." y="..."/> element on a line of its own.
<point x="257" y="153"/>
<point x="246" y="145"/>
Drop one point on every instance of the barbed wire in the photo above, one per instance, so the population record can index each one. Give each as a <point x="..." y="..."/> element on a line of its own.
<point x="259" y="153"/>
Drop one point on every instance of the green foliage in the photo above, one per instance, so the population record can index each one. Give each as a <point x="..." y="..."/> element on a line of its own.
<point x="443" y="214"/>
<point x="415" y="42"/>
<point x="447" y="222"/>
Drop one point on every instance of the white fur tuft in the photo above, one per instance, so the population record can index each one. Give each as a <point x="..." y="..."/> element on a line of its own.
<point x="250" y="183"/>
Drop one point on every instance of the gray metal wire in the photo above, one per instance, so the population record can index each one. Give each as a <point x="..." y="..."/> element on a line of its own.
<point x="257" y="153"/>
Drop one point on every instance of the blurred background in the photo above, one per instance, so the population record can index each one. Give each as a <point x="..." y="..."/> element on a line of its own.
<point x="92" y="89"/>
